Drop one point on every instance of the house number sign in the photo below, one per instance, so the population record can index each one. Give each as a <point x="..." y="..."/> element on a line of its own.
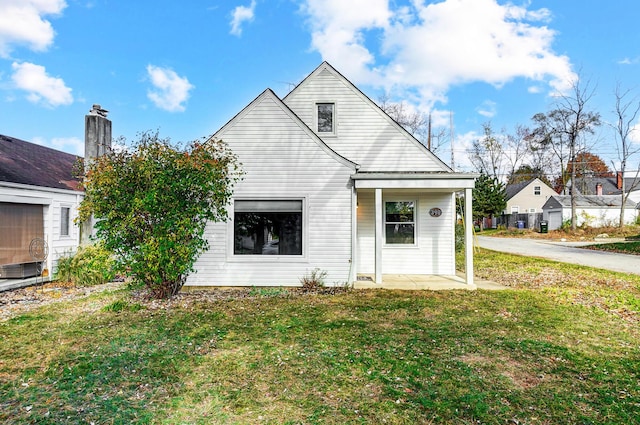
<point x="435" y="212"/>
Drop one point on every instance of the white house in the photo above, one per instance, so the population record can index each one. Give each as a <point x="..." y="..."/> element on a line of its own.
<point x="331" y="182"/>
<point x="39" y="198"/>
<point x="591" y="210"/>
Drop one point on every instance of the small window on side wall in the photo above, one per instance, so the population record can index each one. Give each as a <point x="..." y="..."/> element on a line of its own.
<point x="536" y="190"/>
<point x="64" y="221"/>
<point x="325" y="118"/>
<point x="400" y="223"/>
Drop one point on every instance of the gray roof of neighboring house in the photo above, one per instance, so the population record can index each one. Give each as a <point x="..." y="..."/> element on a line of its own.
<point x="512" y="190"/>
<point x="594" y="201"/>
<point x="587" y="185"/>
<point x="27" y="163"/>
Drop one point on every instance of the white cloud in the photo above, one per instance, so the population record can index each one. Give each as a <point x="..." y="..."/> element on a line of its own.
<point x="68" y="144"/>
<point x="629" y="61"/>
<point x="487" y="109"/>
<point x="41" y="88"/>
<point x="634" y="133"/>
<point x="170" y="90"/>
<point x="428" y="48"/>
<point x="22" y="23"/>
<point x="339" y="32"/>
<point x="240" y="15"/>
<point x="65" y="144"/>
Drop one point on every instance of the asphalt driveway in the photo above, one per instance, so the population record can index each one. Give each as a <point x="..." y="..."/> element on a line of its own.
<point x="566" y="252"/>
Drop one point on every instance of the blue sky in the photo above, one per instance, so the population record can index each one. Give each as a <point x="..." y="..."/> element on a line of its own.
<point x="185" y="68"/>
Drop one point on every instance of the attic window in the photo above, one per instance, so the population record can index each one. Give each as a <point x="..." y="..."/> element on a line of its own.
<point x="325" y="118"/>
<point x="536" y="190"/>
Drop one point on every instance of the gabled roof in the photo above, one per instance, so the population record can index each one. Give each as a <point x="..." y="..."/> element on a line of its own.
<point x="268" y="93"/>
<point x="593" y="201"/>
<point x="27" y="163"/>
<point x="512" y="190"/>
<point x="325" y="66"/>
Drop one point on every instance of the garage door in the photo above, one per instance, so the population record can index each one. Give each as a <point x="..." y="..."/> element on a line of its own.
<point x="555" y="220"/>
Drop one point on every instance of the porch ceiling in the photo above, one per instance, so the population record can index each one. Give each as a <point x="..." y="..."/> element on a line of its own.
<point x="452" y="182"/>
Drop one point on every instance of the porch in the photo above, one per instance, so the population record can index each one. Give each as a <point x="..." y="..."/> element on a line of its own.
<point x="419" y="282"/>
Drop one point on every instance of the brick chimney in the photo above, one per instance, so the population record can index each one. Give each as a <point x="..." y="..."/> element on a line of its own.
<point x="599" y="189"/>
<point x="619" y="180"/>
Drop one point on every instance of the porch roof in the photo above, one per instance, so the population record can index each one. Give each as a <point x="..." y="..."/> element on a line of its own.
<point x="414" y="180"/>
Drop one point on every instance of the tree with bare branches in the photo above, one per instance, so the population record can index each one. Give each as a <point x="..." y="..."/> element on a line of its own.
<point x="626" y="112"/>
<point x="564" y="130"/>
<point x="415" y="122"/>
<point x="487" y="153"/>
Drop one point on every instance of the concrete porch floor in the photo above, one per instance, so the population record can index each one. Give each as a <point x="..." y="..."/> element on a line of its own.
<point x="423" y="282"/>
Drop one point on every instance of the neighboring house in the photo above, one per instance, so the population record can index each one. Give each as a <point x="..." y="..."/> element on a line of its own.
<point x="527" y="197"/>
<point x="331" y="182"/>
<point x="611" y="185"/>
<point x="591" y="210"/>
<point x="39" y="198"/>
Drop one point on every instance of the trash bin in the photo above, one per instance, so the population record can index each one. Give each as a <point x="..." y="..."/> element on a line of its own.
<point x="544" y="226"/>
<point x="520" y="224"/>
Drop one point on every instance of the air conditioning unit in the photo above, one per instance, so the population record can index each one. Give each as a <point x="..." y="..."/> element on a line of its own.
<point x="18" y="271"/>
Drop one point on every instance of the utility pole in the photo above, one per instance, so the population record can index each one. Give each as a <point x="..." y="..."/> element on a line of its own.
<point x="453" y="162"/>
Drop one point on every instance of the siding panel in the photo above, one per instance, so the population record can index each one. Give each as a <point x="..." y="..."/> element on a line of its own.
<point x="364" y="134"/>
<point x="433" y="251"/>
<point x="281" y="160"/>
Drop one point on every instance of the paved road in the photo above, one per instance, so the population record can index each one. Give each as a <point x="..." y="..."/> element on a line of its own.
<point x="566" y="252"/>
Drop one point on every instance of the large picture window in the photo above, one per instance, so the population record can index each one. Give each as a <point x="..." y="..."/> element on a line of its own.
<point x="267" y="227"/>
<point x="400" y="224"/>
<point x="326" y="117"/>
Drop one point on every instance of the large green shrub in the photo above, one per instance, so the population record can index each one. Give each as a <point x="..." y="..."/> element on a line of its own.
<point x="152" y="202"/>
<point x="90" y="265"/>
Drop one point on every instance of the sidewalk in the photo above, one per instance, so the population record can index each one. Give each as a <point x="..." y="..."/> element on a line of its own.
<point x="565" y="252"/>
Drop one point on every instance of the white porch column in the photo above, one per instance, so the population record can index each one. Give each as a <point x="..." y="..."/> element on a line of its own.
<point x="379" y="219"/>
<point x="468" y="236"/>
<point x="353" y="270"/>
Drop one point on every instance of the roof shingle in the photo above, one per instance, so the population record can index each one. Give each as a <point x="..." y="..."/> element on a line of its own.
<point x="27" y="163"/>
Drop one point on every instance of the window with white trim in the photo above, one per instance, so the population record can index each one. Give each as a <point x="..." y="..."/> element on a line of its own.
<point x="515" y="209"/>
<point x="64" y="221"/>
<point x="400" y="222"/>
<point x="536" y="190"/>
<point x="267" y="227"/>
<point x="325" y="118"/>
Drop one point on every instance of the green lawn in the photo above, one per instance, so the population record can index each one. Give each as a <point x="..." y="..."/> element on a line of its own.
<point x="561" y="347"/>
<point x="631" y="247"/>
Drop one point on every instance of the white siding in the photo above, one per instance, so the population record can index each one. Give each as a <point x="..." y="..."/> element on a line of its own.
<point x="52" y="200"/>
<point x="364" y="134"/>
<point x="282" y="160"/>
<point x="599" y="217"/>
<point x="433" y="253"/>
